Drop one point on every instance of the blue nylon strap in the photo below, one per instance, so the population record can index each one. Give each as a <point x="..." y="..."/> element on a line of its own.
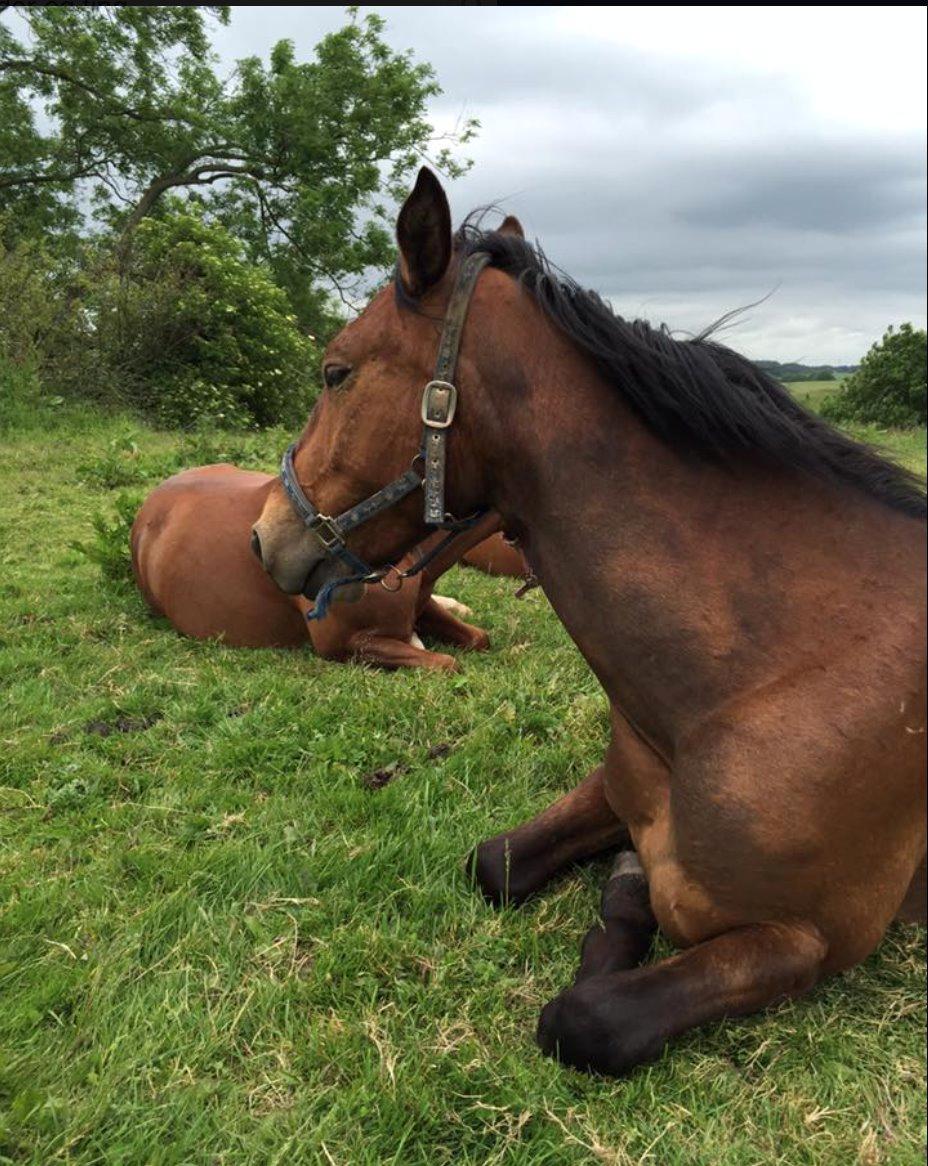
<point x="327" y="593"/>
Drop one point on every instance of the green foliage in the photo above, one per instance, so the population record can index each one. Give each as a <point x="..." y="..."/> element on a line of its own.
<point x="46" y="339"/>
<point x="40" y="332"/>
<point x="299" y="158"/>
<point x="889" y="388"/>
<point x="118" y="465"/>
<point x="19" y="395"/>
<point x="188" y="331"/>
<point x="198" y="333"/>
<point x="110" y="549"/>
<point x="124" y="92"/>
<point x="123" y="462"/>
<point x="38" y="313"/>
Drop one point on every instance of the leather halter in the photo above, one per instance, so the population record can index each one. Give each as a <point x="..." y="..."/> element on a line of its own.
<point x="439" y="403"/>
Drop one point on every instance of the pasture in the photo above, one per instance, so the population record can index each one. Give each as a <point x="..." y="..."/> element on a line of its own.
<point x="234" y="924"/>
<point x="813" y="394"/>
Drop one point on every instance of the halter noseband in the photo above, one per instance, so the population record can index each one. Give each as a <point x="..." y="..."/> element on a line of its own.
<point x="439" y="402"/>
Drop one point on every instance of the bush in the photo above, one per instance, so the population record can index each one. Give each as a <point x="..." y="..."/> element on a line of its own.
<point x="119" y="464"/>
<point x="20" y="393"/>
<point x="197" y="334"/>
<point x="889" y="388"/>
<point x="187" y="333"/>
<point x="28" y="302"/>
<point x="43" y="330"/>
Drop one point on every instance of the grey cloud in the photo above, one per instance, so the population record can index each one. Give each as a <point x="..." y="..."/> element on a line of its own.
<point x="679" y="192"/>
<point x="813" y="188"/>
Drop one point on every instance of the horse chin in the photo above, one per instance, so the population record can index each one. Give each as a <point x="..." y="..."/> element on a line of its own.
<point x="327" y="572"/>
<point x="350" y="594"/>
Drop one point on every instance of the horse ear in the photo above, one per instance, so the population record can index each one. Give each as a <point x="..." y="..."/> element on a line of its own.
<point x="511" y="226"/>
<point x="423" y="231"/>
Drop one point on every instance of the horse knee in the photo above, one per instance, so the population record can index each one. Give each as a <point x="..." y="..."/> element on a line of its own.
<point x="611" y="1022"/>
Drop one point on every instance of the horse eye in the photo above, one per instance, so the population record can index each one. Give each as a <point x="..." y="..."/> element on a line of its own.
<point x="334" y="374"/>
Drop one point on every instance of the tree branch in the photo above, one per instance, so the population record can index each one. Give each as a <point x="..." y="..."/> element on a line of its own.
<point x="53" y="177"/>
<point x="57" y="73"/>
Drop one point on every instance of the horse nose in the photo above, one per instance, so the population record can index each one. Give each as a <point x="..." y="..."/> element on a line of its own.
<point x="256" y="546"/>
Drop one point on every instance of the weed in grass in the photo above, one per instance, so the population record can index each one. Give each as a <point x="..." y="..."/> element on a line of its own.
<point x="110" y="549"/>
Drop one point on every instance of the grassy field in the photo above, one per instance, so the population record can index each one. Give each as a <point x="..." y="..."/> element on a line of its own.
<point x="219" y="944"/>
<point x="813" y="393"/>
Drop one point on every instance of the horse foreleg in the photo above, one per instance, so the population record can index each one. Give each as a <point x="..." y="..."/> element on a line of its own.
<point x="390" y="652"/>
<point x="623" y="938"/>
<point x="511" y="866"/>
<point x="438" y="622"/>
<point x="610" y="1023"/>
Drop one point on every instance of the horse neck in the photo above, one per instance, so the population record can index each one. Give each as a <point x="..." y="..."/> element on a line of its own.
<point x="648" y="558"/>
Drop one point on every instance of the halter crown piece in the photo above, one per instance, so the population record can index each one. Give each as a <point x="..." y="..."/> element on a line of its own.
<point x="439" y="403"/>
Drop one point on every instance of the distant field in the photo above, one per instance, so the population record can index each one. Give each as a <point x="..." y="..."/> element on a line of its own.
<point x="813" y="393"/>
<point x="908" y="446"/>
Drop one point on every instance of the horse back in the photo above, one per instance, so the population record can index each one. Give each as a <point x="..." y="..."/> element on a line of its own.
<point x="192" y="560"/>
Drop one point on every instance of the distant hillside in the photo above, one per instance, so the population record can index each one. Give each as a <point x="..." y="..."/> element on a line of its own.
<point x="805" y="372"/>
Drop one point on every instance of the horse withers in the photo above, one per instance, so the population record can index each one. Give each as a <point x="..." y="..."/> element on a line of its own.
<point x="747" y="583"/>
<point x="193" y="563"/>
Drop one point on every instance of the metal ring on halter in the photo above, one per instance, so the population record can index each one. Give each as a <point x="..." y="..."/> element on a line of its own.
<point x="400" y="576"/>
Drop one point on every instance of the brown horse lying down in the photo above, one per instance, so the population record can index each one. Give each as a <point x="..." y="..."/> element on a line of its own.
<point x="192" y="561"/>
<point x="747" y="584"/>
<point x="495" y="556"/>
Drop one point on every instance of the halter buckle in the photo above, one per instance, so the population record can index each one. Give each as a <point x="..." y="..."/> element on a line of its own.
<point x="439" y="401"/>
<point x="327" y="532"/>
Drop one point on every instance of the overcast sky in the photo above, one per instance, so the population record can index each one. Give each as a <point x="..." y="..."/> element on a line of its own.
<point x="685" y="161"/>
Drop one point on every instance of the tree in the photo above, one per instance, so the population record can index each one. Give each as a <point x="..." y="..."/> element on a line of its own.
<point x="123" y="92"/>
<point x="889" y="388"/>
<point x="296" y="158"/>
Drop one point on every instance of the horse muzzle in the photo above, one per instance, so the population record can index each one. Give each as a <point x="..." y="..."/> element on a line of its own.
<point x="298" y="565"/>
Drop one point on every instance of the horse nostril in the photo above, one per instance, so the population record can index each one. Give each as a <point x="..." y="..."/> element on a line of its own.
<point x="256" y="547"/>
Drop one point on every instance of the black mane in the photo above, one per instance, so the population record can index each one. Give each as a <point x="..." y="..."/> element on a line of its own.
<point x="697" y="395"/>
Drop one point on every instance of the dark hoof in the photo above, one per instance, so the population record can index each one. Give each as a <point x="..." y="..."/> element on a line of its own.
<point x="490" y="865"/>
<point x="593" y="1028"/>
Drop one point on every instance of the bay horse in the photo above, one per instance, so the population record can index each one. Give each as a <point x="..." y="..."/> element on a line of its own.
<point x="193" y="563"/>
<point x="747" y="584"/>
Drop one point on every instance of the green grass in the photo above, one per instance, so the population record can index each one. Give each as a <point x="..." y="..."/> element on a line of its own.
<point x="813" y="393"/>
<point x="217" y="945"/>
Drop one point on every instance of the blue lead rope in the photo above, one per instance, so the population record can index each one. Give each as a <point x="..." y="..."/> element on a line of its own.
<point x="327" y="591"/>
